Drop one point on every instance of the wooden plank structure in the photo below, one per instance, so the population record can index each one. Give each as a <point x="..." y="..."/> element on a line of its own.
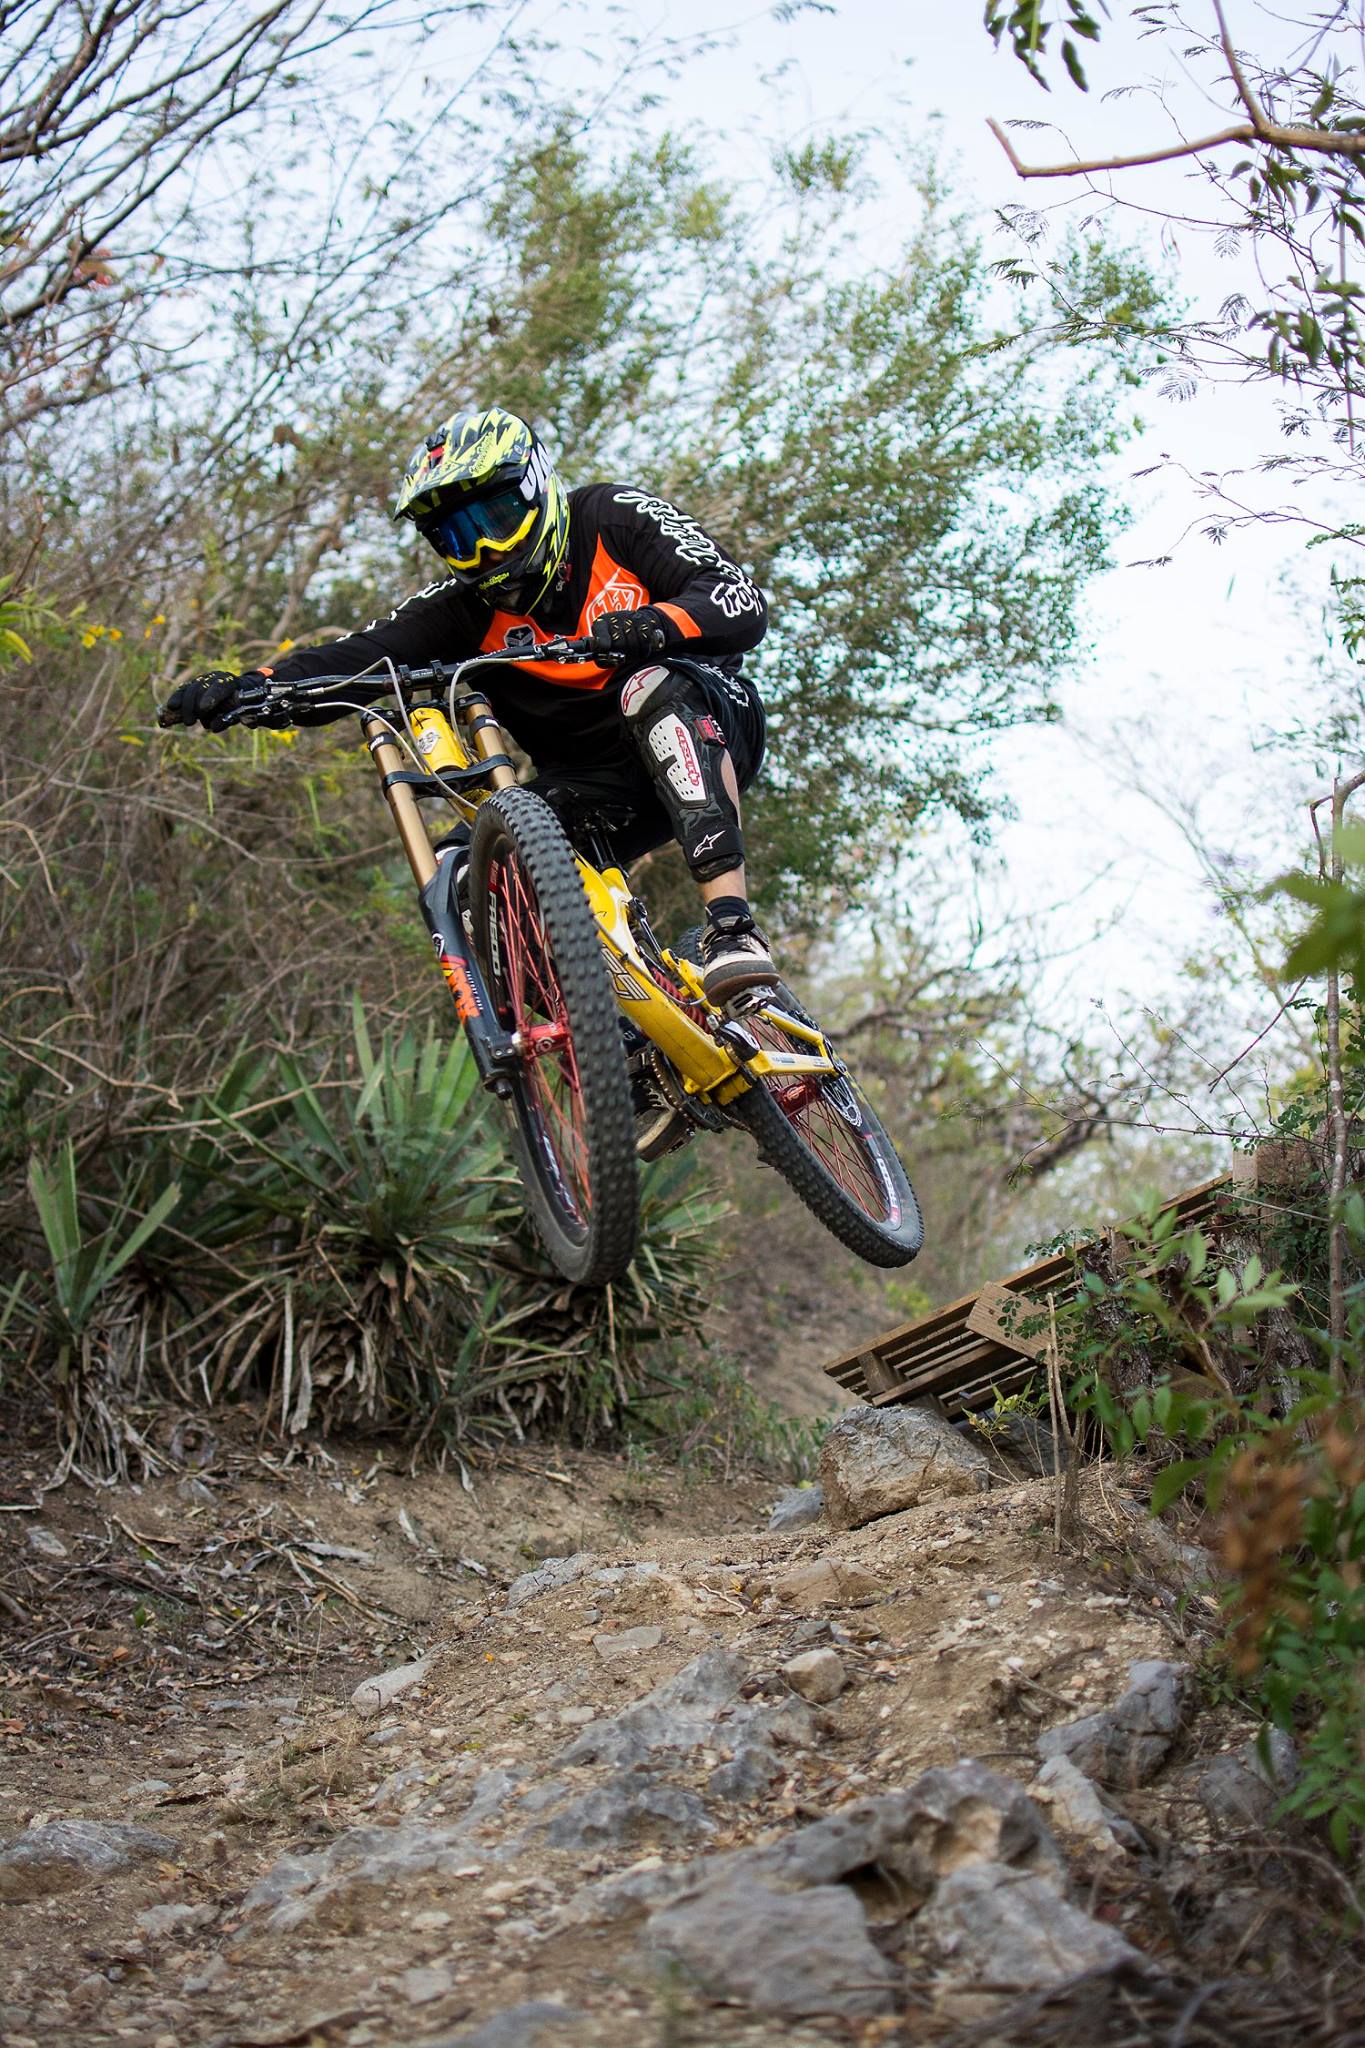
<point x="962" y="1354"/>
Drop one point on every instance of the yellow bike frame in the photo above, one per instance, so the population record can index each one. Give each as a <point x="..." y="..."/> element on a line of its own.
<point x="717" y="1063"/>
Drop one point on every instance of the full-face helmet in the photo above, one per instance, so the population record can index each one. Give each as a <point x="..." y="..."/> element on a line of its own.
<point x="482" y="491"/>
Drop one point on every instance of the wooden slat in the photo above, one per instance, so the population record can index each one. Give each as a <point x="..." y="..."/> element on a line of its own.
<point x="964" y="1350"/>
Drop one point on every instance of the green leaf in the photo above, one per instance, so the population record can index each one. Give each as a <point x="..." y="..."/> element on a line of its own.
<point x="1172" y="1480"/>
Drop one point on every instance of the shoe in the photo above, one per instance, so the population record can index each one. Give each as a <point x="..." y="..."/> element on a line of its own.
<point x="735" y="956"/>
<point x="659" y="1127"/>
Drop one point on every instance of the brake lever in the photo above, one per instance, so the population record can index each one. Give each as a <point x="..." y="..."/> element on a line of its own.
<point x="253" y="700"/>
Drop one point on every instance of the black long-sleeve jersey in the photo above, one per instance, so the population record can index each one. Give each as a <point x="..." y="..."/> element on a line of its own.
<point x="626" y="549"/>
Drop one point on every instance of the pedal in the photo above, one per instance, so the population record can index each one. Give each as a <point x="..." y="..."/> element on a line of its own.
<point x="751" y="999"/>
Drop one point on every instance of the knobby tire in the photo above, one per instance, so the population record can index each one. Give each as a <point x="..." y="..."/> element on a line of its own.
<point x="573" y="1131"/>
<point x="830" y="1147"/>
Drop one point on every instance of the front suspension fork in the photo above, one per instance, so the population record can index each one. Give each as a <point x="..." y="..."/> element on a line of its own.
<point x="495" y="1055"/>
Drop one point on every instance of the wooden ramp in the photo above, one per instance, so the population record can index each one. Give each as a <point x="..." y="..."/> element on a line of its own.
<point x="988" y="1341"/>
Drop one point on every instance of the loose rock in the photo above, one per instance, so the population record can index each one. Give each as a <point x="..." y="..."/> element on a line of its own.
<point x="538" y="2024"/>
<point x="1076" y="1806"/>
<point x="372" y="1695"/>
<point x="877" y="1461"/>
<point x="793" y="1955"/>
<point x="631" y="1807"/>
<point x="65" y="1853"/>
<point x="550" y="1577"/>
<point x="420" y="1986"/>
<point x="626" y="1642"/>
<point x="1010" y="1932"/>
<point x="826" y="1582"/>
<point x="818" y="1675"/>
<point x="798" y="1508"/>
<point x="1238" y="1791"/>
<point x="1127" y="1744"/>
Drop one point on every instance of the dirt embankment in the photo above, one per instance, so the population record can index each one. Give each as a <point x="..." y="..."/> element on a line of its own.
<point x="521" y="1846"/>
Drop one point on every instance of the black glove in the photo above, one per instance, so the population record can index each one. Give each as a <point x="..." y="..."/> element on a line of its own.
<point x="206" y="700"/>
<point x="629" y="633"/>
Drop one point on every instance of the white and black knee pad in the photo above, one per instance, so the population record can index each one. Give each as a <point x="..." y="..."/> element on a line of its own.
<point x="683" y="748"/>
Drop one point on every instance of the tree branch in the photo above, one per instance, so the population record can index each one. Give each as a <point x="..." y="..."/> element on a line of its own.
<point x="1322" y="141"/>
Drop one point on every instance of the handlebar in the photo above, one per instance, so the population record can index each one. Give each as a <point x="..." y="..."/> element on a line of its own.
<point x="277" y="698"/>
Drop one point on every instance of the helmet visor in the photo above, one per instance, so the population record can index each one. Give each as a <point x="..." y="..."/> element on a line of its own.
<point x="468" y="533"/>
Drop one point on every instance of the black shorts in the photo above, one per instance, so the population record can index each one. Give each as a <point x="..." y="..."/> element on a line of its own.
<point x="614" y="791"/>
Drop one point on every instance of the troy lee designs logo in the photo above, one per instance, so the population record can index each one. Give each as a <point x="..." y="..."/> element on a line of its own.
<point x="618" y="594"/>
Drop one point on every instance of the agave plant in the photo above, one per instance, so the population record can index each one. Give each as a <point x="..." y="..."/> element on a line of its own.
<point x="91" y="1319"/>
<point x="394" y="1194"/>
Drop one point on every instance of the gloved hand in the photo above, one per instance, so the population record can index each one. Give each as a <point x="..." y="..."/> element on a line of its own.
<point x="629" y="633"/>
<point x="205" y="700"/>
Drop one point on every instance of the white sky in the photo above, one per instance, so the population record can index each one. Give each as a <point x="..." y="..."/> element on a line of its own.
<point x="1192" y="660"/>
<point x="1189" y="656"/>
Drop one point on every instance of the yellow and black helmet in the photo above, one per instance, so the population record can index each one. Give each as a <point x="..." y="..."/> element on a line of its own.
<point x="483" y="493"/>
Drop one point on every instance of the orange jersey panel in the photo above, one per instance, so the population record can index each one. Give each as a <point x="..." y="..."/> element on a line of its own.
<point x="610" y="589"/>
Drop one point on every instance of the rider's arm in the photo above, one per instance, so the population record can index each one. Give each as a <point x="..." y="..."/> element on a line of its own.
<point x="432" y="625"/>
<point x="705" y="602"/>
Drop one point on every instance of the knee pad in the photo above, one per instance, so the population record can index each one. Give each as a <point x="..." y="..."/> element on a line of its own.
<point x="683" y="747"/>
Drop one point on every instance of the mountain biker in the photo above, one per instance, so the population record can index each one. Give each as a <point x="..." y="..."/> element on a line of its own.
<point x="662" y="737"/>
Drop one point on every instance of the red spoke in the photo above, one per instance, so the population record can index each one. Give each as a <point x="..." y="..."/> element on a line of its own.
<point x="841" y="1150"/>
<point x="530" y="989"/>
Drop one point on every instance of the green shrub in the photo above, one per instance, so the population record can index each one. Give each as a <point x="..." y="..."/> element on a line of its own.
<point x="1280" y="1468"/>
<point x="343" y="1250"/>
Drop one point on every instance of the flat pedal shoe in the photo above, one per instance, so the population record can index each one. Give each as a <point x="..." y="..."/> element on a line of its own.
<point x="735" y="957"/>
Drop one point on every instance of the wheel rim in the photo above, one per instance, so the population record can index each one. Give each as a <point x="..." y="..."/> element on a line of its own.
<point x="829" y="1119"/>
<point x="530" y="1003"/>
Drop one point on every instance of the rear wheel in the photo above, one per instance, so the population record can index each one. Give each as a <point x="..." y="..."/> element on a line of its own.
<point x="574" y="1134"/>
<point x="819" y="1132"/>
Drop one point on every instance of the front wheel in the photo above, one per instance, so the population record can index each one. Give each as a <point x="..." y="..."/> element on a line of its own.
<point x="819" y="1132"/>
<point x="574" y="1133"/>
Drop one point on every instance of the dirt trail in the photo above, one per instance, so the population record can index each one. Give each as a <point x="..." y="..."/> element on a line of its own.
<point x="182" y="1658"/>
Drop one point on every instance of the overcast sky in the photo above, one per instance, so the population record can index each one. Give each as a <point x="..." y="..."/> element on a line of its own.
<point x="1191" y="658"/>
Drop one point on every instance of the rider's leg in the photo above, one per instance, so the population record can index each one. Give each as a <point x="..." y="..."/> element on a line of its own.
<point x="673" y="718"/>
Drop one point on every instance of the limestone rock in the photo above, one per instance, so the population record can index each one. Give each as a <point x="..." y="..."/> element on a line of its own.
<point x="949" y="1818"/>
<point x="1005" y="1930"/>
<point x="372" y="1695"/>
<point x="877" y="1461"/>
<point x="626" y="1642"/>
<point x="700" y="1706"/>
<point x="795" y="1955"/>
<point x="631" y="1807"/>
<point x="62" y="1854"/>
<point x="1077" y="1808"/>
<point x="421" y="1985"/>
<point x="1127" y="1744"/>
<point x="798" y="1507"/>
<point x="549" y="1577"/>
<point x="818" y="1675"/>
<point x="1238" y="1791"/>
<point x="946" y="1821"/>
<point x="538" y="2024"/>
<point x="825" y="1582"/>
<point x="299" y="1888"/>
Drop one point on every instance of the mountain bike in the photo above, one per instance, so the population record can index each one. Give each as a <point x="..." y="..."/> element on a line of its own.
<point x="565" y="993"/>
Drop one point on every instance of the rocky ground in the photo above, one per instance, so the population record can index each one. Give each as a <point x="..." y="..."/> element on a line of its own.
<point x="579" y="1753"/>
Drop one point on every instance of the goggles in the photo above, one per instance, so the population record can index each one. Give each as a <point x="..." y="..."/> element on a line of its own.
<point x="490" y="525"/>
